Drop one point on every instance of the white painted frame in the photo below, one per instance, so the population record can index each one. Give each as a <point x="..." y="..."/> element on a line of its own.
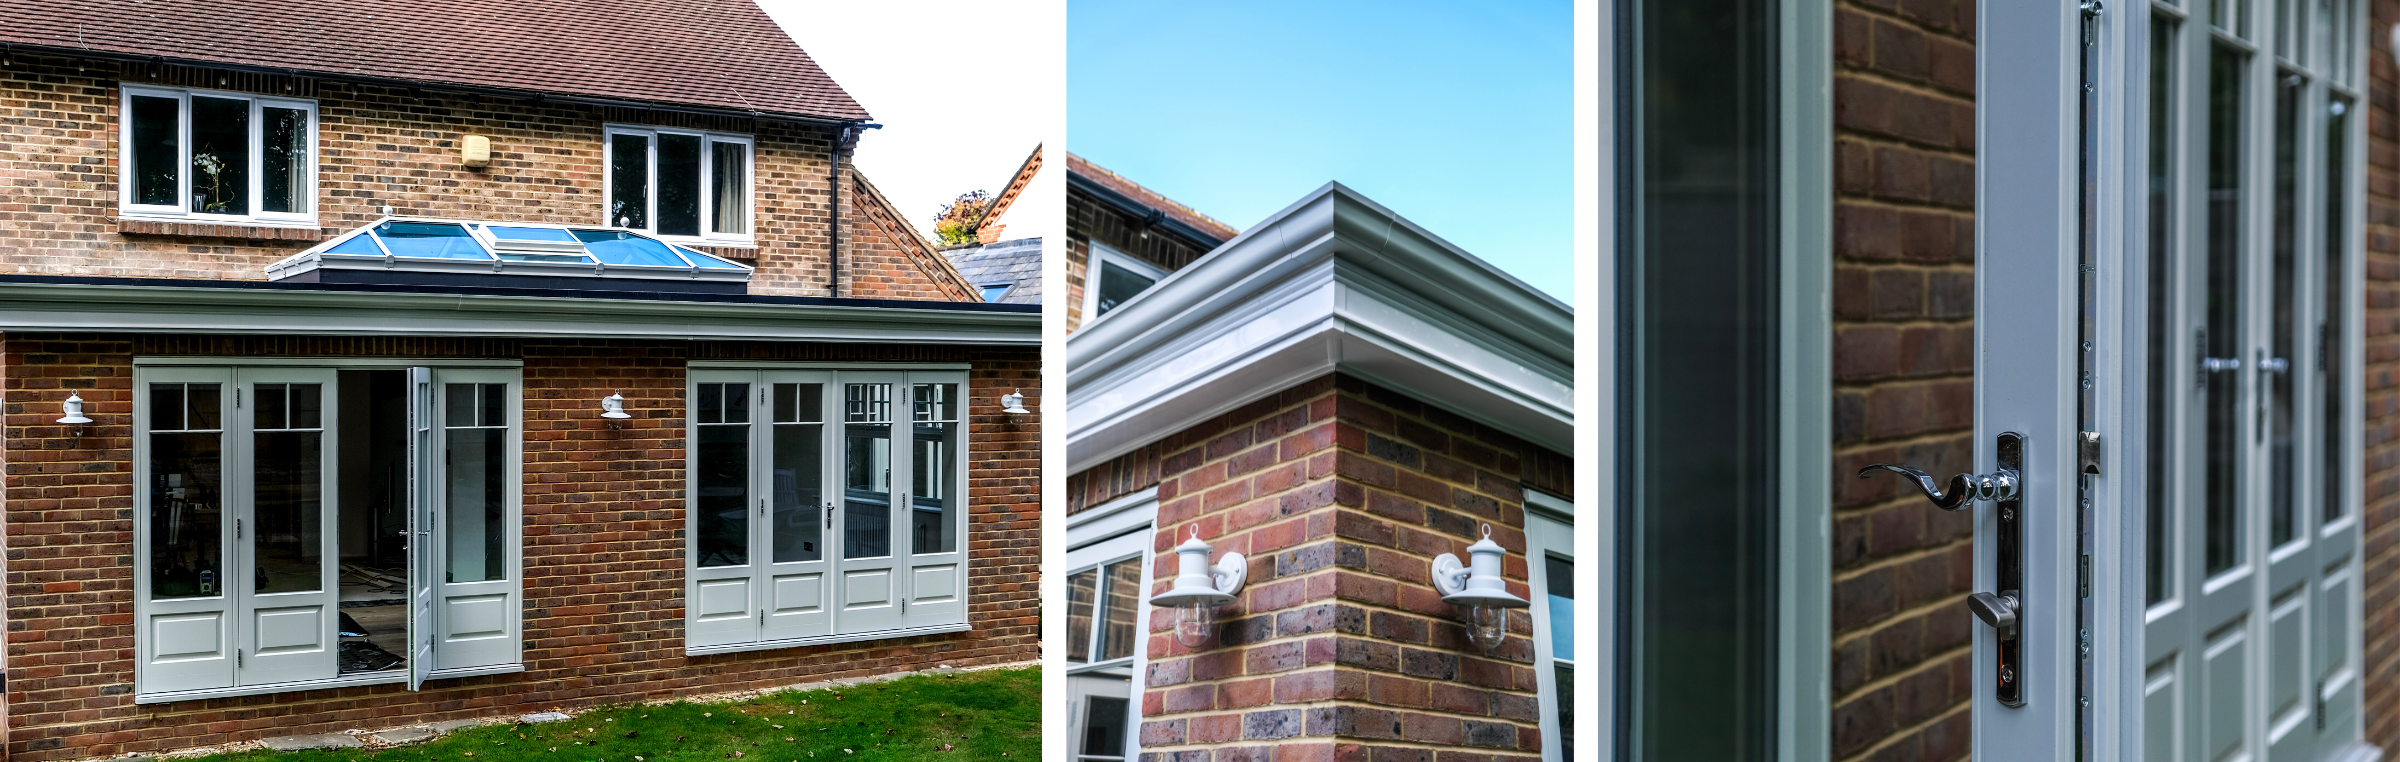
<point x="456" y="657"/>
<point x="305" y="198"/>
<point x="708" y="141"/>
<point x="1096" y="528"/>
<point x="1102" y="253"/>
<point x="1539" y="545"/>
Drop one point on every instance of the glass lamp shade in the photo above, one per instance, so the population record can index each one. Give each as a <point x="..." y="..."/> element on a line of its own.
<point x="1487" y="626"/>
<point x="1199" y="589"/>
<point x="1194" y="623"/>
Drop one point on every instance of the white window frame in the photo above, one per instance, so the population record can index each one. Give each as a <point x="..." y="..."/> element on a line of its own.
<point x="760" y="376"/>
<point x="1538" y="546"/>
<point x="181" y="211"/>
<point x="509" y="650"/>
<point x="1092" y="540"/>
<point x="608" y="182"/>
<point x="1091" y="276"/>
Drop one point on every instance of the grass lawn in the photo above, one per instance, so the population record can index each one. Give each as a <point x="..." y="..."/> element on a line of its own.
<point x="989" y="714"/>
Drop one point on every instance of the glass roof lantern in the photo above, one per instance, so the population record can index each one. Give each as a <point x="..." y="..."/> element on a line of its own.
<point x="421" y="251"/>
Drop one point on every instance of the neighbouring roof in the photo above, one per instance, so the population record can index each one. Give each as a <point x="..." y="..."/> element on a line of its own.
<point x="988" y="225"/>
<point x="1209" y="232"/>
<point x="1017" y="263"/>
<point x="715" y="54"/>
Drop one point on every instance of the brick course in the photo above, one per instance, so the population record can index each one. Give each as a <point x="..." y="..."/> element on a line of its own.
<point x="389" y="146"/>
<point x="2380" y="588"/>
<point x="603" y="540"/>
<point x="1340" y="493"/>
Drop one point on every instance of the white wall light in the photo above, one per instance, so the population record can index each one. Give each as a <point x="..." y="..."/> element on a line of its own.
<point x="1200" y="588"/>
<point x="1013" y="402"/>
<point x="74" y="413"/>
<point x="612" y="407"/>
<point x="1478" y="588"/>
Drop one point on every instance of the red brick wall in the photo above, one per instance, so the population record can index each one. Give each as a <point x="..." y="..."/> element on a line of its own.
<point x="603" y="526"/>
<point x="1904" y="184"/>
<point x="1339" y="493"/>
<point x="381" y="146"/>
<point x="2380" y="591"/>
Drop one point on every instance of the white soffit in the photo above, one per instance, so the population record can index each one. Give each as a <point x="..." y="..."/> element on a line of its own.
<point x="202" y="309"/>
<point x="1334" y="282"/>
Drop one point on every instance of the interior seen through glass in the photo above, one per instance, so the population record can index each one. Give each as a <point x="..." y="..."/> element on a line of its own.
<point x="220" y="155"/>
<point x="283" y="160"/>
<point x="933" y="497"/>
<point x="1119" y="285"/>
<point x="475" y="430"/>
<point x="867" y="470"/>
<point x="679" y="185"/>
<point x="799" y="466"/>
<point x="187" y="491"/>
<point x="287" y="484"/>
<point x="156" y="149"/>
<point x="2331" y="347"/>
<point x="1082" y="592"/>
<point x="721" y="496"/>
<point x="371" y="509"/>
<point x="2220" y="336"/>
<point x="2161" y="328"/>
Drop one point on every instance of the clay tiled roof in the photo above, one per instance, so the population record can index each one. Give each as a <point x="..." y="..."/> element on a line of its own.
<point x="1080" y="166"/>
<point x="717" y="54"/>
<point x="988" y="226"/>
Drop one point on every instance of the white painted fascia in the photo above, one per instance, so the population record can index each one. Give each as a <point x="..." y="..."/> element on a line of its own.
<point x="1334" y="282"/>
<point x="188" y="309"/>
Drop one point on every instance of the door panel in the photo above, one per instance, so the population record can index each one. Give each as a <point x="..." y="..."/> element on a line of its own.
<point x="284" y="514"/>
<point x="935" y="500"/>
<point x="2162" y="694"/>
<point x="186" y="608"/>
<point x="722" y="602"/>
<point x="874" y="515"/>
<point x="799" y="511"/>
<point x="477" y="543"/>
<point x="2225" y="665"/>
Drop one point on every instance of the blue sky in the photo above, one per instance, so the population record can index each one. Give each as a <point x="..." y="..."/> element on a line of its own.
<point x="1458" y="116"/>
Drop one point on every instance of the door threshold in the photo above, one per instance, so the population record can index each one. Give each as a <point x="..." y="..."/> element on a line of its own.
<point x="818" y="640"/>
<point x="346" y="681"/>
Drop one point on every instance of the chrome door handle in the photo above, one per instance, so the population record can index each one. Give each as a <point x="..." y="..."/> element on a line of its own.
<point x="2274" y="365"/>
<point x="2218" y="364"/>
<point x="1999" y="485"/>
<point x="1999" y="611"/>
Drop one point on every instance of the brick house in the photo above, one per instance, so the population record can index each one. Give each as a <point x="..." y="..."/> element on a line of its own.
<point x="458" y="375"/>
<point x="1338" y="396"/>
<point x="2152" y="238"/>
<point x="1003" y="270"/>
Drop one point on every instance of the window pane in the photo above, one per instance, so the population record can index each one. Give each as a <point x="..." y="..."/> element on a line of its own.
<point x="2162" y="332"/>
<point x="186" y="498"/>
<point x="360" y="245"/>
<point x="156" y="151"/>
<point x="629" y="181"/>
<point x="678" y="185"/>
<point x="269" y="406"/>
<point x="1565" y="677"/>
<point x="429" y="239"/>
<point x="1120" y="601"/>
<point x="494" y="410"/>
<point x="867" y="471"/>
<point x="706" y="261"/>
<point x="721" y="478"/>
<point x="288" y="480"/>
<point x="220" y="156"/>
<point x="933" y="494"/>
<point x="1080" y="589"/>
<point x="1559" y="573"/>
<point x="283" y="165"/>
<point x="799" y="473"/>
<point x="1104" y="727"/>
<point x="729" y="191"/>
<point x="477" y="474"/>
<point x="510" y="233"/>
<point x="2331" y="354"/>
<point x="1700" y="280"/>
<point x="620" y="248"/>
<point x="2221" y="336"/>
<point x="993" y="291"/>
<point x="2276" y="416"/>
<point x="1119" y="285"/>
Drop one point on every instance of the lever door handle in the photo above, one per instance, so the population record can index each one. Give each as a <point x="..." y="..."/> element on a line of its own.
<point x="2001" y="485"/>
<point x="1999" y="611"/>
<point x="2275" y="365"/>
<point x="2218" y="364"/>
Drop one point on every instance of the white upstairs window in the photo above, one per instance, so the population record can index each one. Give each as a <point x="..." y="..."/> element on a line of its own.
<point x="209" y="156"/>
<point x="682" y="185"/>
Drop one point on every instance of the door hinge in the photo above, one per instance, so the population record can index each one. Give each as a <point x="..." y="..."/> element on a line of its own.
<point x="828" y="515"/>
<point x="762" y="617"/>
<point x="904" y="606"/>
<point x="237" y="398"/>
<point x="762" y="506"/>
<point x="2091" y="18"/>
<point x="237" y="529"/>
<point x="238" y="661"/>
<point x="2087" y="452"/>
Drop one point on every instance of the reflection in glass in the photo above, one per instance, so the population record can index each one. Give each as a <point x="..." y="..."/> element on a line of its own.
<point x="475" y="467"/>
<point x="2276" y="416"/>
<point x="678" y="185"/>
<point x="220" y="156"/>
<point x="629" y="181"/>
<point x="1104" y="729"/>
<point x="1118" y="286"/>
<point x="721" y="479"/>
<point x="1698" y="286"/>
<point x="934" y="498"/>
<point x="867" y="471"/>
<point x="729" y="204"/>
<point x="2331" y="352"/>
<point x="2162" y="343"/>
<point x="799" y="472"/>
<point x="1559" y="574"/>
<point x="439" y="240"/>
<point x="283" y="163"/>
<point x="1081" y="589"/>
<point x="1120" y="601"/>
<point x="157" y="151"/>
<point x="2221" y="336"/>
<point x="186" y="482"/>
<point x="287" y="486"/>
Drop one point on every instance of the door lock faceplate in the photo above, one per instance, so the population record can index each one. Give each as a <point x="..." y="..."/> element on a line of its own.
<point x="2004" y="611"/>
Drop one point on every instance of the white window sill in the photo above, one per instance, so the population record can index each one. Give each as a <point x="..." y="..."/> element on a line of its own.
<point x="238" y="222"/>
<point x="853" y="637"/>
<point x="711" y="243"/>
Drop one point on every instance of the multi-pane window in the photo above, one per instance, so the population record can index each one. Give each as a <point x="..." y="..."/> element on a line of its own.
<point x="1115" y="278"/>
<point x="785" y="462"/>
<point x="200" y="153"/>
<point x="1104" y="603"/>
<point x="679" y="183"/>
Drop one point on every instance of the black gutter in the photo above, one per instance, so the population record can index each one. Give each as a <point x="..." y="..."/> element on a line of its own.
<point x="496" y="92"/>
<point x="647" y="296"/>
<point x="1138" y="210"/>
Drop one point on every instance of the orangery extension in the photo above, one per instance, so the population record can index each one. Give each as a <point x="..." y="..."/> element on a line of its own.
<point x="451" y="376"/>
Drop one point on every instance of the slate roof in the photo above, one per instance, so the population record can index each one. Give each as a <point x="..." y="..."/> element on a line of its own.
<point x="716" y="54"/>
<point x="1018" y="261"/>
